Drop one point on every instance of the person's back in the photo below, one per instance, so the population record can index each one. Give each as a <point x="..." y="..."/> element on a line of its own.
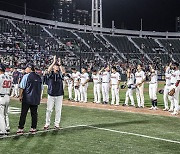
<point x="32" y="91"/>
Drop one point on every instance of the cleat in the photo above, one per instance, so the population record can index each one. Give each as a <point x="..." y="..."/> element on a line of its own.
<point x="20" y="132"/>
<point x="33" y="131"/>
<point x="152" y="108"/>
<point x="124" y="105"/>
<point x="166" y="109"/>
<point x="174" y="113"/>
<point x="46" y="127"/>
<point x="56" y="127"/>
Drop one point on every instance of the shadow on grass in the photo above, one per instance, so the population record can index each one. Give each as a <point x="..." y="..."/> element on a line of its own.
<point x="69" y="130"/>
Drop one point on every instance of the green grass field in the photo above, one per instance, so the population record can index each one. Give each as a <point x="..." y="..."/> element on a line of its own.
<point x="112" y="132"/>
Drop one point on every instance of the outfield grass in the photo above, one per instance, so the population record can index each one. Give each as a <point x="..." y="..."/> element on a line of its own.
<point x="89" y="140"/>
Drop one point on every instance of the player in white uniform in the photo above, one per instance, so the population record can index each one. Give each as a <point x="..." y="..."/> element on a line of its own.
<point x="153" y="85"/>
<point x="140" y="78"/>
<point x="129" y="92"/>
<point x="175" y="85"/>
<point x="84" y="79"/>
<point x="105" y="84"/>
<point x="76" y="77"/>
<point x="115" y="83"/>
<point x="69" y="82"/>
<point x="97" y="86"/>
<point x="5" y="87"/>
<point x="167" y="89"/>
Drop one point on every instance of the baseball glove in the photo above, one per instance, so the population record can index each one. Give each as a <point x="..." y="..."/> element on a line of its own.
<point x="76" y="87"/>
<point x="161" y="91"/>
<point x="123" y="86"/>
<point x="171" y="93"/>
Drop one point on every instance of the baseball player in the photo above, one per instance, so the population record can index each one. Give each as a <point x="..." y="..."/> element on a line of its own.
<point x="84" y="79"/>
<point x="105" y="84"/>
<point x="129" y="92"/>
<point x="5" y="87"/>
<point x="55" y="92"/>
<point x="153" y="85"/>
<point x="114" y="84"/>
<point x="167" y="89"/>
<point x="175" y="86"/>
<point x="15" y="90"/>
<point x="97" y="86"/>
<point x="76" y="77"/>
<point x="69" y="82"/>
<point x="140" y="78"/>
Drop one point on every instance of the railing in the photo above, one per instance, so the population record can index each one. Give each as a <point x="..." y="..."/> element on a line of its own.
<point x="89" y="28"/>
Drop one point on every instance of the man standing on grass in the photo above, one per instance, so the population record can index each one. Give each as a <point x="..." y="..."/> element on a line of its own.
<point x="105" y="83"/>
<point x="114" y="84"/>
<point x="84" y="79"/>
<point x="140" y="78"/>
<point x="55" y="92"/>
<point x="5" y="87"/>
<point x="30" y="96"/>
<point x="153" y="85"/>
<point x="175" y="86"/>
<point x="97" y="86"/>
<point x="76" y="77"/>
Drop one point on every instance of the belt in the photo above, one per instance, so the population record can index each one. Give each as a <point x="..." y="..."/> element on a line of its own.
<point x="105" y="82"/>
<point x="2" y="95"/>
<point x="172" y="83"/>
<point x="153" y="83"/>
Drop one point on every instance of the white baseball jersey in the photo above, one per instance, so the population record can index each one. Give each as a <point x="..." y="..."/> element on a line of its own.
<point x="139" y="76"/>
<point x="76" y="76"/>
<point x="131" y="79"/>
<point x="5" y="84"/>
<point x="153" y="77"/>
<point x="175" y="76"/>
<point x="96" y="78"/>
<point x="168" y="76"/>
<point x="115" y="77"/>
<point x="68" y="79"/>
<point x="106" y="77"/>
<point x="84" y="77"/>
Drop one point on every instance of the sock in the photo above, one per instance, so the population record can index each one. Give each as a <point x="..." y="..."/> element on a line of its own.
<point x="155" y="102"/>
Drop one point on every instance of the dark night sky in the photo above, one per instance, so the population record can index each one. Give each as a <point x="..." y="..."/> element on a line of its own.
<point x="157" y="15"/>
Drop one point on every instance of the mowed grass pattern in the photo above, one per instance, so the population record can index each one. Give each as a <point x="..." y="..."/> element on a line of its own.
<point x="88" y="140"/>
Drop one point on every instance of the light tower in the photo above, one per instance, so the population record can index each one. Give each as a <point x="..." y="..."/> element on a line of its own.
<point x="96" y="13"/>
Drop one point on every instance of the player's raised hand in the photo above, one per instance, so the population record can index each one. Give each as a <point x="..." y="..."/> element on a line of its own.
<point x="54" y="59"/>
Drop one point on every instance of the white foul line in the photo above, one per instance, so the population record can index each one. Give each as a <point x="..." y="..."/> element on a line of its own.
<point x="98" y="128"/>
<point x="134" y="134"/>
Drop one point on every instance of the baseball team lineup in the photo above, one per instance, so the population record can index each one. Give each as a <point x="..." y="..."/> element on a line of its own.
<point x="28" y="86"/>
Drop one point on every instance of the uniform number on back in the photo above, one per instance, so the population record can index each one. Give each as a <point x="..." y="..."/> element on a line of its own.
<point x="7" y="84"/>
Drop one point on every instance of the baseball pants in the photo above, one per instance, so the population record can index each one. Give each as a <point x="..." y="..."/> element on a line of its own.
<point x="4" y="119"/>
<point x="51" y="102"/>
<point x="140" y="95"/>
<point x="97" y="93"/>
<point x="105" y="92"/>
<point x="153" y="91"/>
<point x="83" y="93"/>
<point x="175" y="98"/>
<point x="166" y="97"/>
<point x="115" y="94"/>
<point x="70" y="88"/>
<point x="129" y="94"/>
<point x="76" y="93"/>
<point x="15" y="90"/>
